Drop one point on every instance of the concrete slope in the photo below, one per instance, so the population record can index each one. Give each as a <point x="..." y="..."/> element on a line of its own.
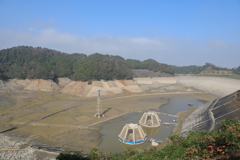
<point x="213" y="85"/>
<point x="95" y="86"/>
<point x="128" y="85"/>
<point x="94" y="91"/>
<point x="82" y="89"/>
<point x="76" y="88"/>
<point x="141" y="81"/>
<point x="198" y="120"/>
<point x="167" y="80"/>
<point x="111" y="86"/>
<point x="156" y="80"/>
<point x="207" y="116"/>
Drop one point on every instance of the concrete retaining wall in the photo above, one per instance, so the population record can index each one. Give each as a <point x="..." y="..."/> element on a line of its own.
<point x="214" y="85"/>
<point x="208" y="116"/>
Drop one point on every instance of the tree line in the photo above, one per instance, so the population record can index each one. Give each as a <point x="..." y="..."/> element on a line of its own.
<point x="151" y="65"/>
<point x="25" y="62"/>
<point x="193" y="69"/>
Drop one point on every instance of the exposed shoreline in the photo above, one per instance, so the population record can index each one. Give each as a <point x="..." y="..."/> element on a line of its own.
<point x="61" y="129"/>
<point x="163" y="100"/>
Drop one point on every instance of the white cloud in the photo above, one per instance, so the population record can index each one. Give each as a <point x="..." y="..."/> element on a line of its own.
<point x="51" y="36"/>
<point x="170" y="50"/>
<point x="217" y="43"/>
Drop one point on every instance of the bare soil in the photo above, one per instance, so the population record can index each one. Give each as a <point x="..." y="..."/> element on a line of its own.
<point x="64" y="129"/>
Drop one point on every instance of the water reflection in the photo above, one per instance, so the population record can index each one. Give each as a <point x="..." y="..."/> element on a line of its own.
<point x="150" y="130"/>
<point x="127" y="147"/>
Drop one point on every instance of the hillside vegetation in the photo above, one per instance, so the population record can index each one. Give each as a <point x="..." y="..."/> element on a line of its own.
<point x="151" y="65"/>
<point x="25" y="62"/>
<point x="193" y="69"/>
<point x="237" y="70"/>
<point x="42" y="63"/>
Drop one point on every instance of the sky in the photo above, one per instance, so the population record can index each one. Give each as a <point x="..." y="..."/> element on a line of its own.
<point x="175" y="32"/>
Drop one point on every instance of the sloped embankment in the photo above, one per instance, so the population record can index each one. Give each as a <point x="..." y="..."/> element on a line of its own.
<point x="207" y="116"/>
<point x="42" y="85"/>
<point x="84" y="89"/>
<point x="62" y="82"/>
<point x="14" y="84"/>
<point x="156" y="80"/>
<point x="129" y="85"/>
<point x="33" y="85"/>
<point x="214" y="85"/>
<point x="68" y="86"/>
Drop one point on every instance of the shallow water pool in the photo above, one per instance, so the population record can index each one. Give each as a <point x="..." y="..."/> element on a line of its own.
<point x="112" y="128"/>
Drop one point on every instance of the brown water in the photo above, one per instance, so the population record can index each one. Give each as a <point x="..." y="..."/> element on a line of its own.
<point x="112" y="128"/>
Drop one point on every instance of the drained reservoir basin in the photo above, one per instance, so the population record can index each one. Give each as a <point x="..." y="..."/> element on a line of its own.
<point x="112" y="128"/>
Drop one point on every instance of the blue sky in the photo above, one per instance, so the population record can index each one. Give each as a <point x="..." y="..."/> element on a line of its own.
<point x="176" y="32"/>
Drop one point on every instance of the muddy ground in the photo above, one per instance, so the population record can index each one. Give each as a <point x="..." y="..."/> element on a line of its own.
<point x="59" y="120"/>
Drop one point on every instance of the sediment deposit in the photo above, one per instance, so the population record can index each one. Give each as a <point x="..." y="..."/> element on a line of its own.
<point x="213" y="85"/>
<point x="42" y="85"/>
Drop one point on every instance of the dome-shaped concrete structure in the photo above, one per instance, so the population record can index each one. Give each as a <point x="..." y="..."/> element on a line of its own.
<point x="132" y="134"/>
<point x="150" y="119"/>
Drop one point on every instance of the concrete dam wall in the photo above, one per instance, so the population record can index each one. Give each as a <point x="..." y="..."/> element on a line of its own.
<point x="207" y="116"/>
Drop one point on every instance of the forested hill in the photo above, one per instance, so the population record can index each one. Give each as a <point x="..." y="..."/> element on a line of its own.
<point x="151" y="65"/>
<point x="193" y="69"/>
<point x="25" y="62"/>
